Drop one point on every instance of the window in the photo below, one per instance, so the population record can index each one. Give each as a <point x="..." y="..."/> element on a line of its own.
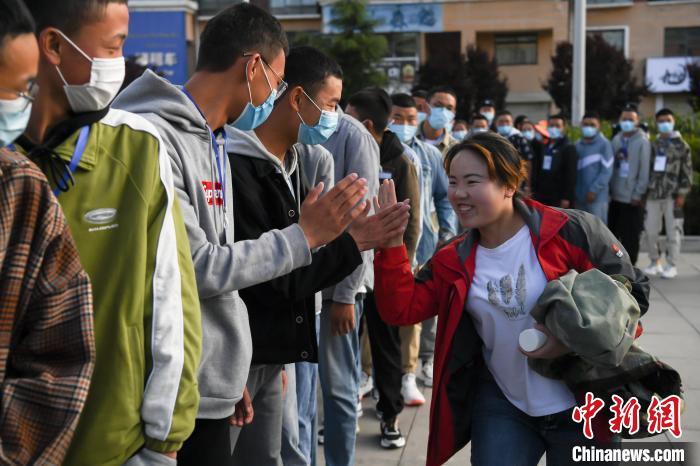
<point x="211" y="7"/>
<point x="402" y="45"/>
<point x="682" y="42"/>
<point x="609" y="2"/>
<point x="614" y="37"/>
<point x="294" y="7"/>
<point x="516" y="49"/>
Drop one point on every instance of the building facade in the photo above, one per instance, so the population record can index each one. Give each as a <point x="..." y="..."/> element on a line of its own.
<point x="660" y="36"/>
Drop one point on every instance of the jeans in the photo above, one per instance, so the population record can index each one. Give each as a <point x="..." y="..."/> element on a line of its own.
<point x="427" y="339"/>
<point x="307" y="380"/>
<point x="504" y="435"/>
<point x="599" y="209"/>
<point x="339" y="373"/>
<point x="291" y="453"/>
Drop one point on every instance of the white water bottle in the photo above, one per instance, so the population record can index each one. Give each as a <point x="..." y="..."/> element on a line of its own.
<point x="532" y="339"/>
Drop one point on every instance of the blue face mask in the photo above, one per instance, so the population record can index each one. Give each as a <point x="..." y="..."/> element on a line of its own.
<point x="459" y="135"/>
<point x="253" y="116"/>
<point x="589" y="131"/>
<point x="665" y="127"/>
<point x="554" y="133"/>
<point x="321" y="131"/>
<point x="440" y="117"/>
<point x="422" y="116"/>
<point x="627" y="126"/>
<point x="404" y="132"/>
<point x="14" y="116"/>
<point x="504" y="130"/>
<point x="489" y="116"/>
<point x="529" y="135"/>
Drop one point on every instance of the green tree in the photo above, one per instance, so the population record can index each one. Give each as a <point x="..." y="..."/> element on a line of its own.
<point x="694" y="74"/>
<point x="353" y="44"/>
<point x="474" y="77"/>
<point x="610" y="83"/>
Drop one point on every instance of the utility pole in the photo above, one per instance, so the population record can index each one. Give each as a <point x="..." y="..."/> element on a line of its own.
<point x="578" y="90"/>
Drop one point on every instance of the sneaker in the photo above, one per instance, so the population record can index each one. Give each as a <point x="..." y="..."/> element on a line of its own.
<point x="391" y="435"/>
<point x="319" y="436"/>
<point x="654" y="269"/>
<point x="360" y="412"/>
<point x="366" y="384"/>
<point x="669" y="272"/>
<point x="409" y="391"/>
<point x="426" y="373"/>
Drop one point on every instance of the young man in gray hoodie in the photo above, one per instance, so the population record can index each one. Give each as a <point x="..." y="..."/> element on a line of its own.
<point x="237" y="78"/>
<point x="269" y="184"/>
<point x="629" y="183"/>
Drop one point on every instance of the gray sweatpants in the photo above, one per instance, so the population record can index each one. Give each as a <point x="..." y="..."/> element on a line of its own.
<point x="659" y="210"/>
<point x="260" y="442"/>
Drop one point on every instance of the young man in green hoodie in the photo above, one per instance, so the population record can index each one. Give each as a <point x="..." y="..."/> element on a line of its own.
<point x="112" y="176"/>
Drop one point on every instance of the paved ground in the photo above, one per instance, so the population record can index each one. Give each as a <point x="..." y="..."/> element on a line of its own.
<point x="672" y="332"/>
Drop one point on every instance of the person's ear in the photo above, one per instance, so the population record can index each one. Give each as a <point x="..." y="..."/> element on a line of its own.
<point x="295" y="96"/>
<point x="369" y="124"/>
<point x="50" y="44"/>
<point x="251" y="66"/>
<point x="510" y="192"/>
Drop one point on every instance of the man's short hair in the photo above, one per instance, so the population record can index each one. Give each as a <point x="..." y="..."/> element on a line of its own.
<point x="504" y="112"/>
<point x="630" y="107"/>
<point x="372" y="104"/>
<point x="558" y="116"/>
<point x="238" y="29"/>
<point x="664" y="112"/>
<point x="67" y="15"/>
<point x="403" y="101"/>
<point x="487" y="103"/>
<point x="420" y="93"/>
<point x="443" y="90"/>
<point x="478" y="116"/>
<point x="591" y="114"/>
<point x="308" y="67"/>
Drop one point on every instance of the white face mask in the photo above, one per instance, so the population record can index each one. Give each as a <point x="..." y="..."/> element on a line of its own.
<point x="106" y="78"/>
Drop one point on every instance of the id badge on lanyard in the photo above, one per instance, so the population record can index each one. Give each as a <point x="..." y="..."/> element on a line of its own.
<point x="660" y="161"/>
<point x="624" y="165"/>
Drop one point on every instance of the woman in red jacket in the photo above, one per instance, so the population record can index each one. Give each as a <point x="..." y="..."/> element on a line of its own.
<point x="482" y="286"/>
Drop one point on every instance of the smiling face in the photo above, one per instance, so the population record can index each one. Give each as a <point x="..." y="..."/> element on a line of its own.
<point x="477" y="199"/>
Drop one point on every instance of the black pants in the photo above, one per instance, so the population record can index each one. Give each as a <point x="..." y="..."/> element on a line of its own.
<point x="210" y="443"/>
<point x="386" y="357"/>
<point x="626" y="221"/>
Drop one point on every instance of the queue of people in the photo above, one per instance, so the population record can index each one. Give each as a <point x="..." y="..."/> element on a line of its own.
<point x="183" y="266"/>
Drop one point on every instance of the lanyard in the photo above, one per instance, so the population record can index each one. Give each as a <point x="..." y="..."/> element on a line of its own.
<point x="215" y="147"/>
<point x="75" y="159"/>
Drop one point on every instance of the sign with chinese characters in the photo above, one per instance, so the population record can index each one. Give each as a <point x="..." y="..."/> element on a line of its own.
<point x="667" y="75"/>
<point x="400" y="73"/>
<point x="158" y="39"/>
<point x="661" y="415"/>
<point x="396" y="17"/>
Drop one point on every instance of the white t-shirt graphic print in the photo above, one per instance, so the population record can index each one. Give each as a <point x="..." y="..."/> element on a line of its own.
<point x="507" y="283"/>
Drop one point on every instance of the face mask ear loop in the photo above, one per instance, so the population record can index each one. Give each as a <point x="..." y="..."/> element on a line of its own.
<point x="61" y="76"/>
<point x="265" y="74"/>
<point x="315" y="105"/>
<point x="74" y="45"/>
<point x="247" y="81"/>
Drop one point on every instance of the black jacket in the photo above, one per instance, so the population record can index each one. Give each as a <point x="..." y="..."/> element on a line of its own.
<point x="558" y="182"/>
<point x="281" y="311"/>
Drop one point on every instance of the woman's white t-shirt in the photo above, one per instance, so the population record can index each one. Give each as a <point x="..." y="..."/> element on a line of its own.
<point x="506" y="285"/>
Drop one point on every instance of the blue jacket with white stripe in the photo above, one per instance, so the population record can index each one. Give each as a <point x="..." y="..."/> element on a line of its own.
<point x="595" y="168"/>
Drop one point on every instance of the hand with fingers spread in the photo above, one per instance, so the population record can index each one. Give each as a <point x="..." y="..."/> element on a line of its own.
<point x="388" y="222"/>
<point x="385" y="205"/>
<point x="324" y="218"/>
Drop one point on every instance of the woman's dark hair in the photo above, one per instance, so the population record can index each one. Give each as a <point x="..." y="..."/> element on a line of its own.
<point x="15" y="20"/>
<point x="505" y="166"/>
